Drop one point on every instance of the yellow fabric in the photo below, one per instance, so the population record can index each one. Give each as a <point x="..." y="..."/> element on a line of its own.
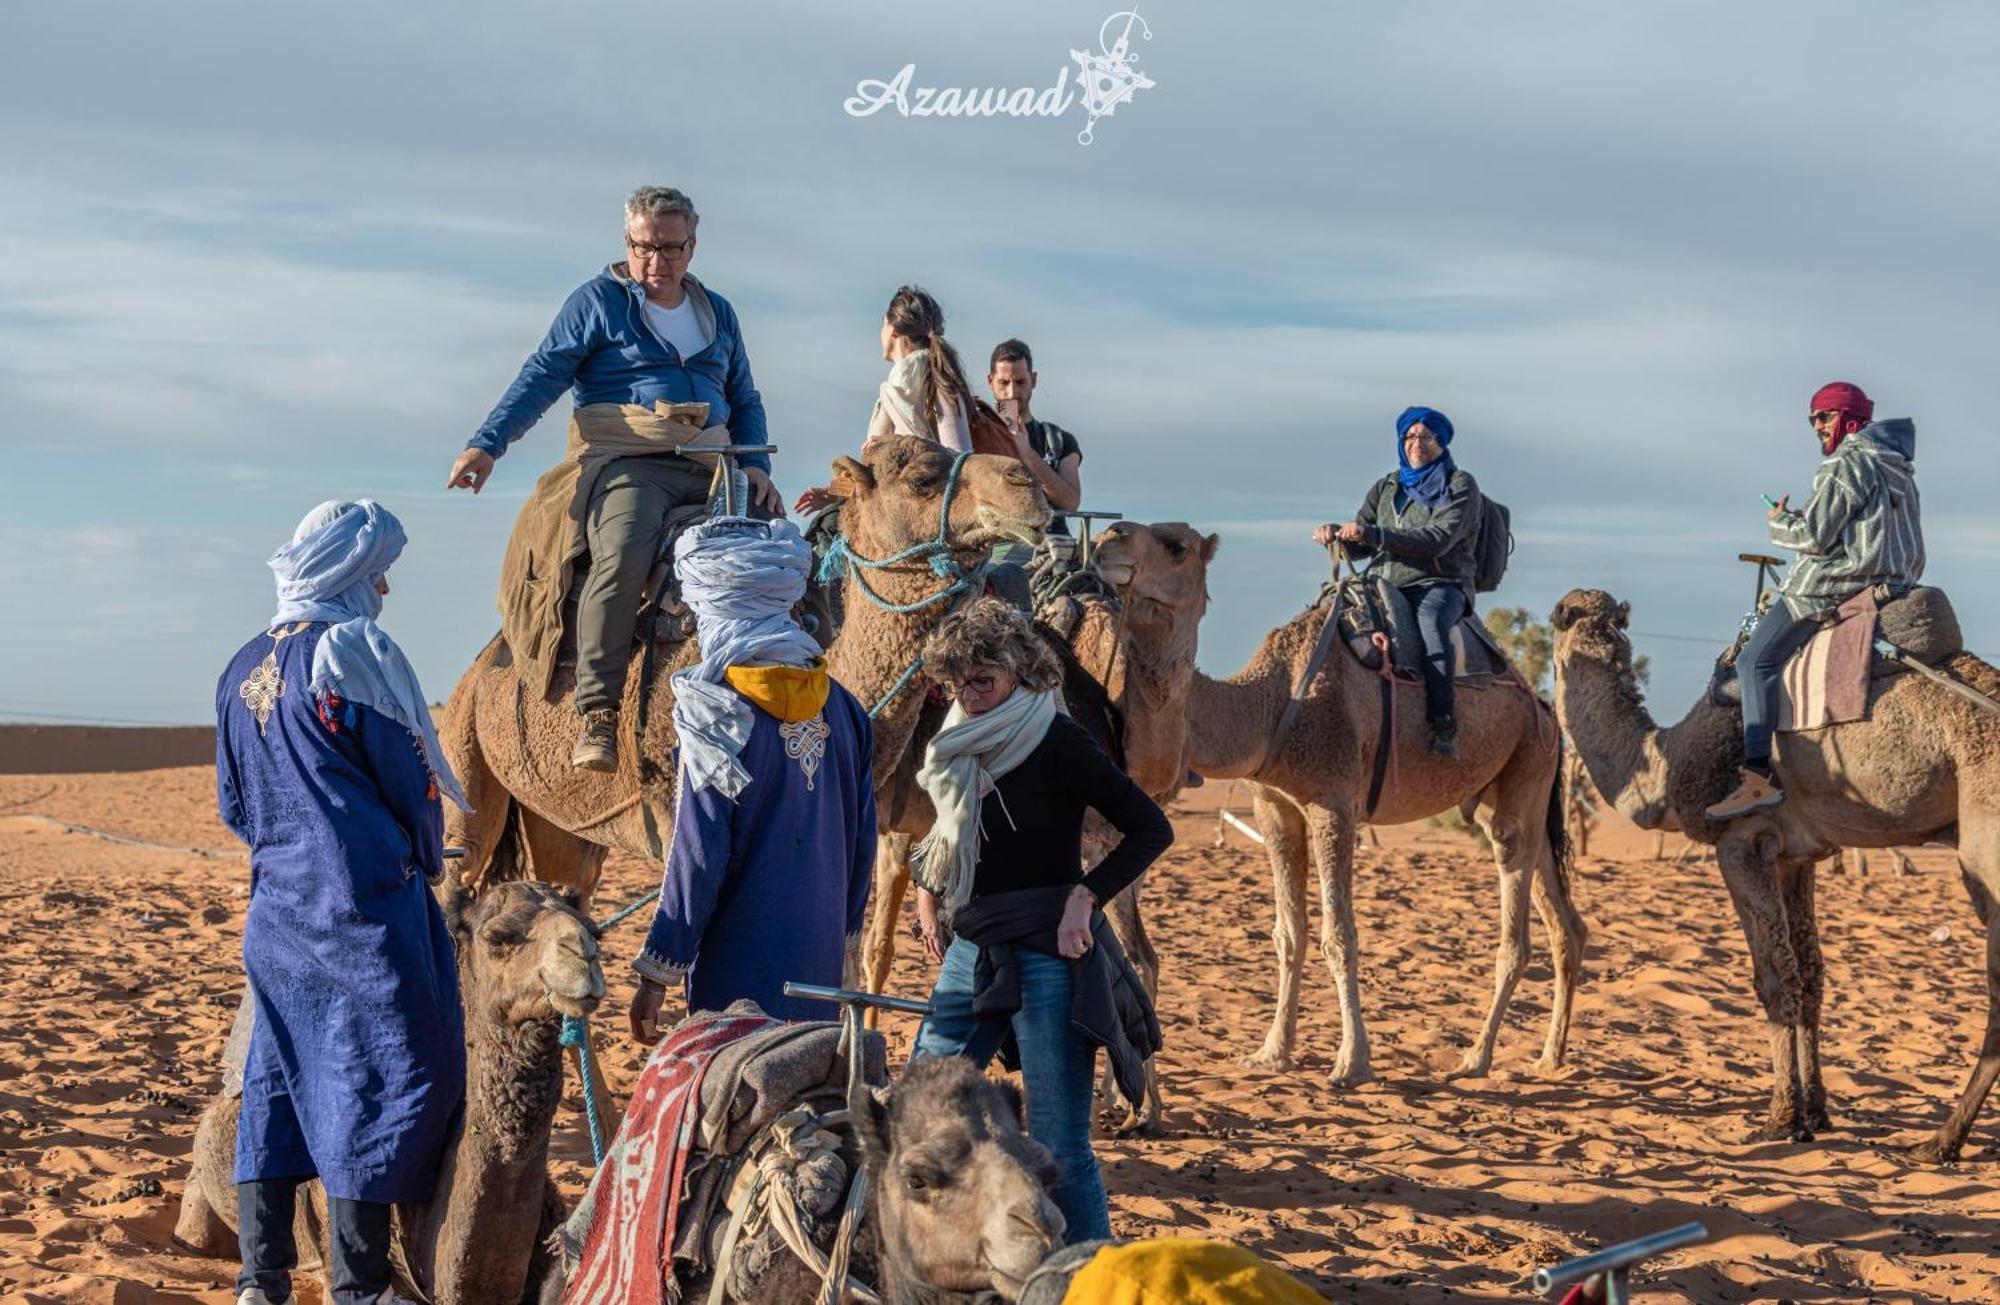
<point x="1184" y="1271"/>
<point x="549" y="534"/>
<point x="791" y="693"/>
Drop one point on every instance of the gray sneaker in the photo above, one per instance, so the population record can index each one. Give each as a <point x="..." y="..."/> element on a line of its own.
<point x="597" y="747"/>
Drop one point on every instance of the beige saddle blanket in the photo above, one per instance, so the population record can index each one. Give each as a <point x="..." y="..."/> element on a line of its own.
<point x="549" y="535"/>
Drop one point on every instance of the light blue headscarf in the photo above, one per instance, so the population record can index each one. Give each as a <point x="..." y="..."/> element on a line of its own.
<point x="741" y="579"/>
<point x="328" y="573"/>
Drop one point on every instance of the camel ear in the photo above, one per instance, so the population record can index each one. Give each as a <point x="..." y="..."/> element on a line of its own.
<point x="869" y="1108"/>
<point x="1015" y="1102"/>
<point x="1561" y="617"/>
<point x="851" y="479"/>
<point x="1624" y="615"/>
<point x="456" y="902"/>
<point x="1209" y="544"/>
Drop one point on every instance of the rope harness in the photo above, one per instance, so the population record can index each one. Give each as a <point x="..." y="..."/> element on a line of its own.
<point x="841" y="561"/>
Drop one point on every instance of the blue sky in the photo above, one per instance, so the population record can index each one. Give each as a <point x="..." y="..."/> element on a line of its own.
<point x="252" y="257"/>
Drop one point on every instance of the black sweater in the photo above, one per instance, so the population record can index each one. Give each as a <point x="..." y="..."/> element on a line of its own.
<point x="1032" y="822"/>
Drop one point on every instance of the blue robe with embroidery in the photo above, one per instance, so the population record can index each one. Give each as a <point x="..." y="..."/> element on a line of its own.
<point x="357" y="1058"/>
<point x="767" y="888"/>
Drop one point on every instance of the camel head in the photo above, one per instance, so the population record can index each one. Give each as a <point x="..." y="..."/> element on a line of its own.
<point x="893" y="495"/>
<point x="961" y="1189"/>
<point x="1160" y="573"/>
<point x="1591" y="623"/>
<point x="525" y="952"/>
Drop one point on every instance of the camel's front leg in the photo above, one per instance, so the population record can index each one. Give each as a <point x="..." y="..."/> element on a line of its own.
<point x="1749" y="871"/>
<point x="1796" y="878"/>
<point x="892" y="882"/>
<point x="1284" y="830"/>
<point x="1332" y="835"/>
<point x="1513" y="850"/>
<point x="1979" y="860"/>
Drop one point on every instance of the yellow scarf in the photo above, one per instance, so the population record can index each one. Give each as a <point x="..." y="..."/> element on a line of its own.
<point x="791" y="693"/>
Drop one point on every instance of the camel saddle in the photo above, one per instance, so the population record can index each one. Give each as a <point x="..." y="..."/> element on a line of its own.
<point x="1828" y="681"/>
<point x="1370" y="605"/>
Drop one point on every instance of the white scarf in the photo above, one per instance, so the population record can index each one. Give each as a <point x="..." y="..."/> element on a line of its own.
<point x="961" y="766"/>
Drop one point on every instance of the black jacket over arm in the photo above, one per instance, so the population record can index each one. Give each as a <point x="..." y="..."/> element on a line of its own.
<point x="1423" y="545"/>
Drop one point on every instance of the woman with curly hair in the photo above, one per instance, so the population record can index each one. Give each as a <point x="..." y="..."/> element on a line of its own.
<point x="1033" y="971"/>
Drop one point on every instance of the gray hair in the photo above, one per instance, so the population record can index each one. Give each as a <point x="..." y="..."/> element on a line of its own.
<point x="661" y="201"/>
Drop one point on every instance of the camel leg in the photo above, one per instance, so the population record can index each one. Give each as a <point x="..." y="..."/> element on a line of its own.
<point x="1284" y="830"/>
<point x="1511" y="851"/>
<point x="1128" y="921"/>
<point x="892" y="883"/>
<point x="1797" y="879"/>
<point x="1568" y="937"/>
<point x="1979" y="863"/>
<point x="1748" y="870"/>
<point x="559" y="858"/>
<point x="1332" y="832"/>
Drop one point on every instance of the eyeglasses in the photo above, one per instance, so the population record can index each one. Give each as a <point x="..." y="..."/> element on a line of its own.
<point x="981" y="683"/>
<point x="676" y="250"/>
<point x="1818" y="418"/>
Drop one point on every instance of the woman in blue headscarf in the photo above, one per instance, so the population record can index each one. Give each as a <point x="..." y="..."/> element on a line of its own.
<point x="327" y="766"/>
<point x="1424" y="520"/>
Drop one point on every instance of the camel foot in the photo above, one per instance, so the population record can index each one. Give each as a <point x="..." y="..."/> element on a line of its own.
<point x="1817" y="1120"/>
<point x="1930" y="1152"/>
<point x="1354" y="1076"/>
<point x="1136" y="1123"/>
<point x="1473" y="1065"/>
<point x="1278" y="1059"/>
<point x="1548" y="1065"/>
<point x="1781" y="1128"/>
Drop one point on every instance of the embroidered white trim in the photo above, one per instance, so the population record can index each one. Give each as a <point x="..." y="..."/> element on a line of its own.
<point x="805" y="743"/>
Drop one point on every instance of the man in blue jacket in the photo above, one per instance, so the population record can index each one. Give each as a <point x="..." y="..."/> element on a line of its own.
<point x="657" y="362"/>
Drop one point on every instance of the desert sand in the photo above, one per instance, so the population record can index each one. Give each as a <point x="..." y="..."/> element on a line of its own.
<point x="121" y="972"/>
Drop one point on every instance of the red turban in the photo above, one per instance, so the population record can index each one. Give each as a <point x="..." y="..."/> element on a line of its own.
<point x="1843" y="398"/>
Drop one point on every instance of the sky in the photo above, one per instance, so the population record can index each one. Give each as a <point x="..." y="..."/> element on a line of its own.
<point x="256" y="256"/>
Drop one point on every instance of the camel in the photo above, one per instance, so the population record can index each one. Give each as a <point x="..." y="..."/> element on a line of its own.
<point x="1311" y="795"/>
<point x="1923" y="765"/>
<point x="526" y="958"/>
<point x="533" y="813"/>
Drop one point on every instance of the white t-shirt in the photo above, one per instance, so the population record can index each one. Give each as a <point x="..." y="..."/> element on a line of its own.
<point x="678" y="326"/>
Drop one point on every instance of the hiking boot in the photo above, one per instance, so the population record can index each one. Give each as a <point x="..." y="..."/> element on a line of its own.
<point x="1444" y="737"/>
<point x="597" y="748"/>
<point x="1754" y="792"/>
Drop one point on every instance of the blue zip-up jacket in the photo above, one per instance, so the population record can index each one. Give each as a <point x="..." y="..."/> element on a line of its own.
<point x="601" y="346"/>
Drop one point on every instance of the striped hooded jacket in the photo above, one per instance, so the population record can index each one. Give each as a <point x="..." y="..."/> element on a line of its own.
<point x="1862" y="526"/>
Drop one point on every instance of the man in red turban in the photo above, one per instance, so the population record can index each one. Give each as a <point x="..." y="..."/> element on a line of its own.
<point x="1860" y="529"/>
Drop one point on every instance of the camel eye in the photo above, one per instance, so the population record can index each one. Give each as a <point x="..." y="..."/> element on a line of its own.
<point x="922" y="1180"/>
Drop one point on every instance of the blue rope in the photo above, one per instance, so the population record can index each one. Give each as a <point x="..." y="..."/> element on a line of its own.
<point x="937" y="550"/>
<point x="576" y="1033"/>
<point x="622" y="916"/>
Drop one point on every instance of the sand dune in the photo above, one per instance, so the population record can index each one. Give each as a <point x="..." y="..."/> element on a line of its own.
<point x="121" y="969"/>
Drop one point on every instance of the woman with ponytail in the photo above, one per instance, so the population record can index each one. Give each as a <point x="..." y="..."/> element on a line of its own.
<point x="925" y="394"/>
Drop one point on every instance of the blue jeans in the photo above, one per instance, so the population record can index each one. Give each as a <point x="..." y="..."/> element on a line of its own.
<point x="1439" y="608"/>
<point x="1760" y="671"/>
<point x="1057" y="1067"/>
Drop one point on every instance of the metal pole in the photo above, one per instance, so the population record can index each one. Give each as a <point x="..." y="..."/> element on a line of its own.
<point x="1616" y="1262"/>
<point x="1083" y="518"/>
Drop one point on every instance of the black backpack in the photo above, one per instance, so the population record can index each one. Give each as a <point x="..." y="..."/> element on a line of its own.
<point x="1495" y="546"/>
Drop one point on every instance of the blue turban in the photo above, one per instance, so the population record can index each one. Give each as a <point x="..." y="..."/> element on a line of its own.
<point x="328" y="573"/>
<point x="1429" y="485"/>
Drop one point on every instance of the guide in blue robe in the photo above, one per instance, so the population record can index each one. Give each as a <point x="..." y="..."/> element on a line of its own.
<point x="357" y="1057"/>
<point x="768" y="886"/>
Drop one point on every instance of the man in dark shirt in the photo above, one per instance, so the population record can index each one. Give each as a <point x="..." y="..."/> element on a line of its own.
<point x="1047" y="450"/>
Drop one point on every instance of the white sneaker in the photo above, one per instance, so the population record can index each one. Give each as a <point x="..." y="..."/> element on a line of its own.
<point x="252" y="1296"/>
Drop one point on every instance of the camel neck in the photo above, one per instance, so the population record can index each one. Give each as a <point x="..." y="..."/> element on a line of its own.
<point x="1598" y="702"/>
<point x="1150" y="683"/>
<point x="877" y="648"/>
<point x="1230" y="722"/>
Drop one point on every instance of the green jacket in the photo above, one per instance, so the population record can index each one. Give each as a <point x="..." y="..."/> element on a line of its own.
<point x="1423" y="545"/>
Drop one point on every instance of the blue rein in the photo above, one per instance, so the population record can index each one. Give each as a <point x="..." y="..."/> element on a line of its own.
<point x="943" y="563"/>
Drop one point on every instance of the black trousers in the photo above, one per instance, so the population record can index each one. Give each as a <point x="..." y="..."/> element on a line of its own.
<point x="359" y="1273"/>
